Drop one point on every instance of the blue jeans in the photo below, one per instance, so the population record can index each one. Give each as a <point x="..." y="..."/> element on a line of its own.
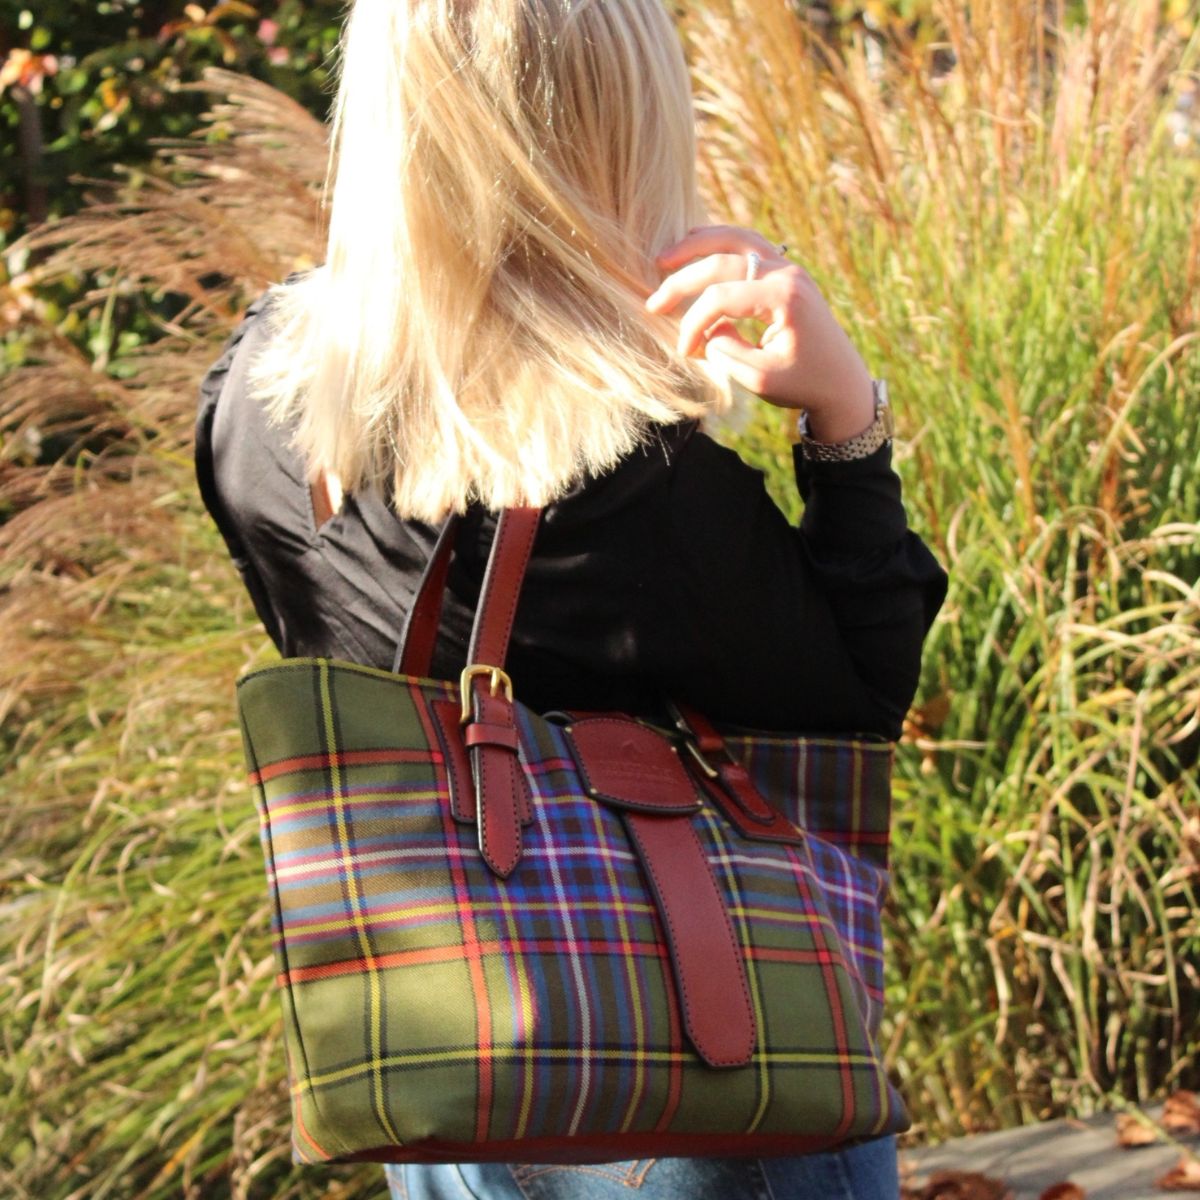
<point x="867" y="1171"/>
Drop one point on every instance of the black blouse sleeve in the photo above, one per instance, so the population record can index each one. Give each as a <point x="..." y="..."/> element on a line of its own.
<point x="810" y="628"/>
<point x="211" y="388"/>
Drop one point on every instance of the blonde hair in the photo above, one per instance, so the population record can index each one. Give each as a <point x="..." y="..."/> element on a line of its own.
<point x="503" y="173"/>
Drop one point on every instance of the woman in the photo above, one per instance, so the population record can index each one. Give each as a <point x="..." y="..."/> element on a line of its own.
<point x="521" y="304"/>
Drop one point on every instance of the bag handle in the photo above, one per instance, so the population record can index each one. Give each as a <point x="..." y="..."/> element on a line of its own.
<point x="487" y="719"/>
<point x="502" y="800"/>
<point x="414" y="653"/>
<point x="492" y="628"/>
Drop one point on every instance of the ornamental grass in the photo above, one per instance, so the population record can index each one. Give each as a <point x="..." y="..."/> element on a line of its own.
<point x="1007" y="221"/>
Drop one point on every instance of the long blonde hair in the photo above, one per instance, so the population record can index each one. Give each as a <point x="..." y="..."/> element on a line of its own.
<point x="503" y="173"/>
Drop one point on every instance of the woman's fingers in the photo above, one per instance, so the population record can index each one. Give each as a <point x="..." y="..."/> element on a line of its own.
<point x="803" y="360"/>
<point x="756" y="370"/>
<point x="696" y="276"/>
<point x="716" y="239"/>
<point x="746" y="298"/>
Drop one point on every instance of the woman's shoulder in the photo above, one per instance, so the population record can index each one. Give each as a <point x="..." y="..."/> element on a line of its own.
<point x="251" y="326"/>
<point x="232" y="424"/>
<point x="644" y="470"/>
<point x="246" y="467"/>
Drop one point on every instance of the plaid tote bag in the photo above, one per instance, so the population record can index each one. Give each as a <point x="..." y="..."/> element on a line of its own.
<point x="570" y="937"/>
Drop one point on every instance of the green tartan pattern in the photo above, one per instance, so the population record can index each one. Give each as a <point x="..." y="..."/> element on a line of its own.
<point x="428" y="1001"/>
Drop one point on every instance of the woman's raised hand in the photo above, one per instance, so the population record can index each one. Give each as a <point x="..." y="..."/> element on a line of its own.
<point x="804" y="358"/>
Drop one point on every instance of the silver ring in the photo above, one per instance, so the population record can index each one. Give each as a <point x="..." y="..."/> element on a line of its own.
<point x="753" y="263"/>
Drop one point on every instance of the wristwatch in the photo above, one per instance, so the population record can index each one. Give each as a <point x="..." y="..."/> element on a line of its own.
<point x="881" y="430"/>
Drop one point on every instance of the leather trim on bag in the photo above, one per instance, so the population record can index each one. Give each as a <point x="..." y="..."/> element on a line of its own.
<point x="707" y="959"/>
<point x="454" y="755"/>
<point x="502" y="796"/>
<point x="628" y="765"/>
<point x="414" y="654"/>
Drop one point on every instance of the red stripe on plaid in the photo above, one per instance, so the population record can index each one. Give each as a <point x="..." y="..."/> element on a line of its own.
<point x="302" y="1130"/>
<point x="340" y="758"/>
<point x="433" y="954"/>
<point x="767" y="954"/>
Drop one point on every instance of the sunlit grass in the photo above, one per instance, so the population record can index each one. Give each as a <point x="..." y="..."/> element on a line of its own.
<point x="1018" y="252"/>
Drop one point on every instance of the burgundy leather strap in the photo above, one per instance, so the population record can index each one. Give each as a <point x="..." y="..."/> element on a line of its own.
<point x="709" y="969"/>
<point x="779" y="830"/>
<point x="515" y="531"/>
<point x="732" y="775"/>
<point x="502" y="799"/>
<point x="458" y="765"/>
<point x="498" y="794"/>
<point x="501" y="789"/>
<point x="414" y="654"/>
<point x="479" y="734"/>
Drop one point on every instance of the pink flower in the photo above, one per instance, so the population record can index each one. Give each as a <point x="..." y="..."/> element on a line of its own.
<point x="25" y="69"/>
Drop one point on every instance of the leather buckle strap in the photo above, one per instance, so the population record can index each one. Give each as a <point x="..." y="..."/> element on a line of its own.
<point x="498" y="678"/>
<point x="708" y="748"/>
<point x="489" y="727"/>
<point x="484" y="744"/>
<point x="727" y="781"/>
<point x="706" y="956"/>
<point x="501" y="790"/>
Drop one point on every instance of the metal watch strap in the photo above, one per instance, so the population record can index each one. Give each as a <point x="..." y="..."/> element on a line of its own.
<point x="859" y="446"/>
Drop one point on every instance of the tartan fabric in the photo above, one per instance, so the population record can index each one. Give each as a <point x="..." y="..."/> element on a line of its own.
<point x="427" y="1001"/>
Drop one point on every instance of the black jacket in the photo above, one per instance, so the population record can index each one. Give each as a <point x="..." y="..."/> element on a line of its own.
<point x="673" y="574"/>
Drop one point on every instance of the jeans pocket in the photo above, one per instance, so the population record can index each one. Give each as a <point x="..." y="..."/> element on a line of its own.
<point x="591" y="1181"/>
<point x="651" y="1178"/>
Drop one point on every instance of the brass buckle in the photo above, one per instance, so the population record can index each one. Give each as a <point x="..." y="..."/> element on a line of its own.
<point x="464" y="683"/>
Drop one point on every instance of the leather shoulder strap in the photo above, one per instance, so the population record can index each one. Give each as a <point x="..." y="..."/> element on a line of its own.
<point x="414" y="654"/>
<point x="515" y="532"/>
<point x="502" y="799"/>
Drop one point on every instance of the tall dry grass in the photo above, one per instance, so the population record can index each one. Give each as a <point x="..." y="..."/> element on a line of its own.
<point x="141" y="1041"/>
<point x="1014" y="245"/>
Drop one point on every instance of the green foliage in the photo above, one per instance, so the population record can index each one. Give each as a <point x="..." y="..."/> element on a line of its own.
<point x="111" y="76"/>
<point x="135" y="855"/>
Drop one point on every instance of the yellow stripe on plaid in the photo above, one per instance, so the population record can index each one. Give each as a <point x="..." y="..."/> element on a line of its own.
<point x="446" y="910"/>
<point x="351" y="883"/>
<point x="468" y="1054"/>
<point x="321" y="803"/>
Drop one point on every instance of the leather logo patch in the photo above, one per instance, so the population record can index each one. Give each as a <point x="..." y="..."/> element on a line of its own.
<point x="631" y="766"/>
